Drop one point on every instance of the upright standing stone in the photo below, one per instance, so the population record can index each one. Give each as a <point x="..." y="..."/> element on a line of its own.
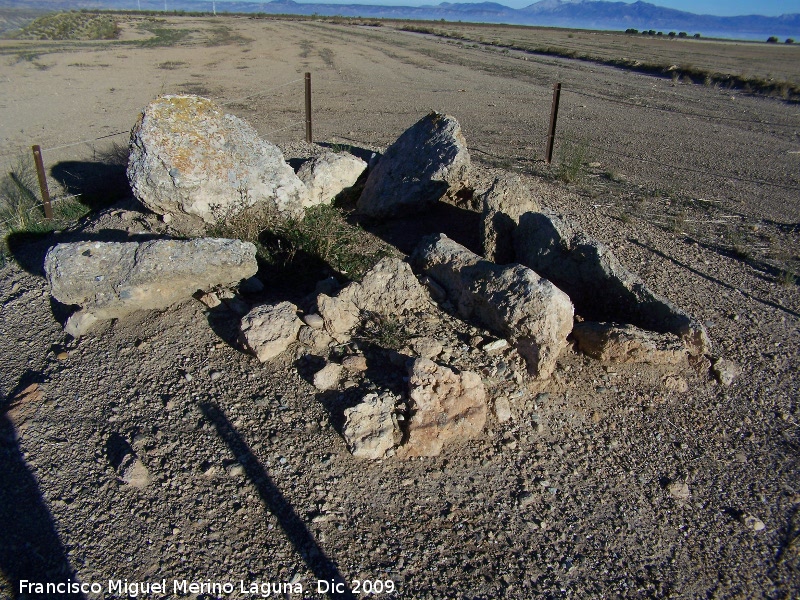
<point x="512" y="301"/>
<point x="446" y="407"/>
<point x="191" y="161"/>
<point x="428" y="161"/>
<point x="598" y="284"/>
<point x="502" y="205"/>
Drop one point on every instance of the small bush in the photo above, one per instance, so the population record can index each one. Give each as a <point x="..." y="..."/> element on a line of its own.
<point x="384" y="331"/>
<point x="21" y="209"/>
<point x="787" y="278"/>
<point x="789" y="41"/>
<point x="572" y="159"/>
<point x="772" y="40"/>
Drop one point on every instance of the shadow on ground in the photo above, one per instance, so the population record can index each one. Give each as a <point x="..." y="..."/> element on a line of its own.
<point x="30" y="548"/>
<point x="98" y="183"/>
<point x="276" y="503"/>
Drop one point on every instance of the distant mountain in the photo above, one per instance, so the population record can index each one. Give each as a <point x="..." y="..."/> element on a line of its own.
<point x="580" y="14"/>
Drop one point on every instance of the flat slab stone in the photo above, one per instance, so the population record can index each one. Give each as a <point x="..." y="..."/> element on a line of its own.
<point x="109" y="280"/>
<point x="614" y="343"/>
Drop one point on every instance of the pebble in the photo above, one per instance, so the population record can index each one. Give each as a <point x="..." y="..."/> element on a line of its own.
<point x="502" y="409"/>
<point x="355" y="363"/>
<point x="327" y="378"/>
<point x="215" y="375"/>
<point x="752" y="522"/>
<point x="495" y="346"/>
<point x="314" y="321"/>
<point x="62" y="355"/>
<point x="679" y="490"/>
<point x="725" y="370"/>
<point x="236" y="470"/>
<point x="675" y="383"/>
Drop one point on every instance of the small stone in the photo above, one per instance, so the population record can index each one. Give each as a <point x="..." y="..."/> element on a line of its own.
<point x="210" y="299"/>
<point x="133" y="472"/>
<point x="725" y="370"/>
<point x="426" y="347"/>
<point x="434" y="289"/>
<point x="495" y="346"/>
<point x="752" y="522"/>
<point x="62" y="356"/>
<point x="371" y="428"/>
<point x="502" y="409"/>
<point x="314" y="320"/>
<point x="676" y="383"/>
<point x="328" y="377"/>
<point x="251" y="285"/>
<point x="315" y="339"/>
<point x="236" y="470"/>
<point x="475" y="341"/>
<point x="679" y="490"/>
<point x="267" y="330"/>
<point x="525" y="499"/>
<point x="355" y="363"/>
<point x="215" y="375"/>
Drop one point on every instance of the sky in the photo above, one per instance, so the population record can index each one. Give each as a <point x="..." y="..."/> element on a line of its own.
<point x="722" y="8"/>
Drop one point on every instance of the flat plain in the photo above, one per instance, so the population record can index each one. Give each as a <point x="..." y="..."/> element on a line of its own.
<point x="694" y="187"/>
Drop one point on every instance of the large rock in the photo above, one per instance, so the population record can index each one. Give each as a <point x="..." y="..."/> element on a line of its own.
<point x="109" y="280"/>
<point x="191" y="161"/>
<point x="599" y="286"/>
<point x="502" y="206"/>
<point x="428" y="161"/>
<point x="613" y="343"/>
<point x="388" y="289"/>
<point x="327" y="175"/>
<point x="446" y="407"/>
<point x="512" y="301"/>
<point x="370" y="427"/>
<point x="267" y="330"/>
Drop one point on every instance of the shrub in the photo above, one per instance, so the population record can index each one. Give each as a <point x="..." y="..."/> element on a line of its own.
<point x="772" y="40"/>
<point x="789" y="41"/>
<point x="697" y="36"/>
<point x="631" y="30"/>
<point x="21" y="209"/>
<point x="572" y="158"/>
<point x="682" y="34"/>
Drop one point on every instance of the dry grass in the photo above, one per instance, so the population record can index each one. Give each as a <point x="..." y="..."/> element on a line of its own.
<point x="772" y="69"/>
<point x="71" y="26"/>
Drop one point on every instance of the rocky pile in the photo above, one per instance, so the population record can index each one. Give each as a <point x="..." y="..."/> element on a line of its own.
<point x="191" y="162"/>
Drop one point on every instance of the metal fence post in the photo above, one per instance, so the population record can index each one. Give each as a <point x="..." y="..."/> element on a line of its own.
<point x="553" y="117"/>
<point x="37" y="158"/>
<point x="308" y="107"/>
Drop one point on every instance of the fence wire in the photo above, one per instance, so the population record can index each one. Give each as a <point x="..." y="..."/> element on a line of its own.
<point x="70" y="144"/>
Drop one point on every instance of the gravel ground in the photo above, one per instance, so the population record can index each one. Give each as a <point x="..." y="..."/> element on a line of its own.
<point x="580" y="494"/>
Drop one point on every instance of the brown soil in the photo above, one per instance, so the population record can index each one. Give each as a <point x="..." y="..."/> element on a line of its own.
<point x="694" y="188"/>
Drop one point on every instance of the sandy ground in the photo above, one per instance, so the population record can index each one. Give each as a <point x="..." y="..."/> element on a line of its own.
<point x="569" y="499"/>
